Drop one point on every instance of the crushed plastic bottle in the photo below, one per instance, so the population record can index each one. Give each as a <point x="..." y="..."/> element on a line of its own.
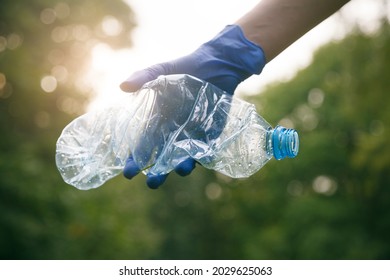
<point x="168" y="120"/>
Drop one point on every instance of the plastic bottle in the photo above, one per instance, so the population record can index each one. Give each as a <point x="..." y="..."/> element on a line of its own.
<point x="165" y="122"/>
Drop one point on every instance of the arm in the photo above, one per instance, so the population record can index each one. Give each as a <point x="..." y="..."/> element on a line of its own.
<point x="276" y="24"/>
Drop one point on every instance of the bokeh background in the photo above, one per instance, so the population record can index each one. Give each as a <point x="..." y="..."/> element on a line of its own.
<point x="331" y="202"/>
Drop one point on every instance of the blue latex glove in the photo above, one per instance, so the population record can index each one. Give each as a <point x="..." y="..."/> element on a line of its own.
<point x="225" y="61"/>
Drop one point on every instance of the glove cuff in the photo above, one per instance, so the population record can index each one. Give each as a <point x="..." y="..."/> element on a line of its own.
<point x="231" y="46"/>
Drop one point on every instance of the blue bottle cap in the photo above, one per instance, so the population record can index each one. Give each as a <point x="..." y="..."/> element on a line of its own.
<point x="285" y="142"/>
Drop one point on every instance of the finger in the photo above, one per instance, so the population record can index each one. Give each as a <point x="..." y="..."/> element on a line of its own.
<point x="139" y="78"/>
<point x="154" y="181"/>
<point x="185" y="168"/>
<point x="131" y="168"/>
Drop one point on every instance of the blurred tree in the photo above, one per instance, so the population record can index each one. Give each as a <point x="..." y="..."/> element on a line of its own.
<point x="45" y="48"/>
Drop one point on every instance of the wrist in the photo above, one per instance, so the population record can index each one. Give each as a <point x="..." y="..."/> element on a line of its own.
<point x="229" y="58"/>
<point x="240" y="52"/>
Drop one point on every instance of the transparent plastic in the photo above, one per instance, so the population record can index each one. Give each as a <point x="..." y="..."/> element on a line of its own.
<point x="165" y="122"/>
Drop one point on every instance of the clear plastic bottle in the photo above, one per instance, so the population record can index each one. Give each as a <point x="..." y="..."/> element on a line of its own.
<point x="168" y="120"/>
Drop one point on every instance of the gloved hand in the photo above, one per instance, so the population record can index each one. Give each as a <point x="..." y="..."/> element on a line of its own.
<point x="225" y="61"/>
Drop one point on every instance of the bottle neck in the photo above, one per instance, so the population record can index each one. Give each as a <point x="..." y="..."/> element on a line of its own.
<point x="285" y="142"/>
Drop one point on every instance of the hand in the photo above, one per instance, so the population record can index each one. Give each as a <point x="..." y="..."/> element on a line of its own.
<point x="225" y="61"/>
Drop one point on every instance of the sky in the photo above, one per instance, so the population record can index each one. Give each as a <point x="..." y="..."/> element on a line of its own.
<point x="172" y="28"/>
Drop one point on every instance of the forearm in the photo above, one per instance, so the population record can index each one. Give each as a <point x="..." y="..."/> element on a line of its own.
<point x="276" y="24"/>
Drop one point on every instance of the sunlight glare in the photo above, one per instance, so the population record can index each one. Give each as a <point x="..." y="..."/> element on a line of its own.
<point x="105" y="74"/>
<point x="111" y="26"/>
<point x="168" y="31"/>
<point x="49" y="83"/>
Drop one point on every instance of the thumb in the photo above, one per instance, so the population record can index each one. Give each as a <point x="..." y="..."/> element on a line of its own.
<point x="139" y="78"/>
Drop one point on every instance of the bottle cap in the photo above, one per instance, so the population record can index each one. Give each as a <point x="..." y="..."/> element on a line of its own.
<point x="285" y="142"/>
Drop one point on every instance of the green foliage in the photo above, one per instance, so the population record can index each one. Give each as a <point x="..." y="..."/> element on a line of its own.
<point x="331" y="202"/>
<point x="41" y="216"/>
<point x="338" y="185"/>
